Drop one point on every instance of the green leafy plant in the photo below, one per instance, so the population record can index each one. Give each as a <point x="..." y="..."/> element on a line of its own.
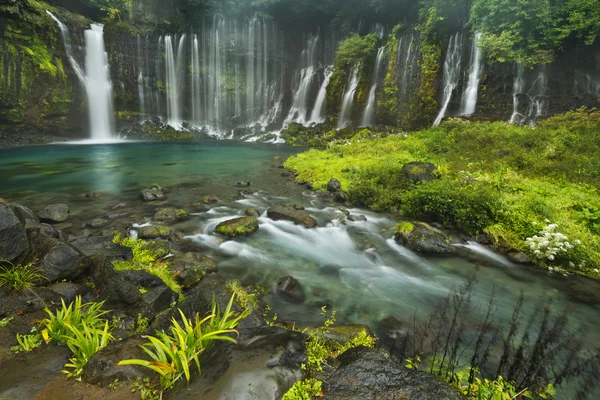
<point x="173" y="354"/>
<point x="84" y="343"/>
<point x="19" y="277"/>
<point x="27" y="343"/>
<point x="60" y="324"/>
<point x="5" y="321"/>
<point x="304" y="390"/>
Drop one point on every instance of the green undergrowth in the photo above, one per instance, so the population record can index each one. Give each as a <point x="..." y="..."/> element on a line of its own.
<point x="508" y="181"/>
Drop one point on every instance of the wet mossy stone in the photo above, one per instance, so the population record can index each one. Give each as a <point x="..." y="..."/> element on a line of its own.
<point x="152" y="193"/>
<point x="334" y="185"/>
<point x="159" y="248"/>
<point x="13" y="237"/>
<point x="420" y="171"/>
<point x="290" y="290"/>
<point x="251" y="212"/>
<point x="154" y="232"/>
<point x="291" y="213"/>
<point x="423" y="238"/>
<point x="170" y="215"/>
<point x="54" y="213"/>
<point x="209" y="199"/>
<point x="238" y="227"/>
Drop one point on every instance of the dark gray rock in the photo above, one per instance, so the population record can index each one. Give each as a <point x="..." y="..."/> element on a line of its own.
<point x="158" y="299"/>
<point x="24" y="213"/>
<point x="13" y="237"/>
<point x="57" y="260"/>
<point x="98" y="223"/>
<point x="419" y="171"/>
<point x="112" y="286"/>
<point x="289" y="289"/>
<point x="334" y="185"/>
<point x="290" y="213"/>
<point x="141" y="279"/>
<point x="69" y="290"/>
<point x="251" y="212"/>
<point x="356" y="218"/>
<point x="170" y="215"/>
<point x="54" y="213"/>
<point x="424" y="238"/>
<point x="152" y="193"/>
<point x="101" y="245"/>
<point x="372" y="374"/>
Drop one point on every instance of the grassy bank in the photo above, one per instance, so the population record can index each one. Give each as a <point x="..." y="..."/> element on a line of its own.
<point x="515" y="183"/>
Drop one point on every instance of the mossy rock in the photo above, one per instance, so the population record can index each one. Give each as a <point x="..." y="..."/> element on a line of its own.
<point x="154" y="232"/>
<point x="159" y="248"/>
<point x="404" y="228"/>
<point x="238" y="227"/>
<point x="422" y="238"/>
<point x="170" y="215"/>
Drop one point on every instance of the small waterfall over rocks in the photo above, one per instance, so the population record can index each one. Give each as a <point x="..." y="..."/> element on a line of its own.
<point x="318" y="113"/>
<point x="299" y="110"/>
<point x="348" y="98"/>
<point x="469" y="99"/>
<point x="452" y="71"/>
<point x="369" y="113"/>
<point x="529" y="104"/>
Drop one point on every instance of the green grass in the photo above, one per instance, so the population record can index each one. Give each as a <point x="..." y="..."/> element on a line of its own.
<point x="19" y="277"/>
<point x="502" y="179"/>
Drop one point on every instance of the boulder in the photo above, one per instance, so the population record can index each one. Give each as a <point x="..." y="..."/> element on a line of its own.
<point x="334" y="185"/>
<point x="54" y="213"/>
<point x="238" y="227"/>
<point x="160" y="248"/>
<point x="112" y="286"/>
<point x="69" y="290"/>
<point x="290" y="290"/>
<point x="154" y="232"/>
<point x="423" y="238"/>
<point x="101" y="245"/>
<point x="251" y="212"/>
<point x="13" y="237"/>
<point x="419" y="171"/>
<point x="190" y="268"/>
<point x="170" y="215"/>
<point x="24" y="213"/>
<point x="158" y="299"/>
<point x="290" y="213"/>
<point x="152" y="193"/>
<point x="57" y="260"/>
<point x="372" y="374"/>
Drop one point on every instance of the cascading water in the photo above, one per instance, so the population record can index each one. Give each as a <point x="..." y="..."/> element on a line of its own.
<point x="173" y="71"/>
<point x="369" y="113"/>
<point x="537" y="93"/>
<point x="518" y="88"/>
<point x="348" y="99"/>
<point x="469" y="99"/>
<point x="299" y="110"/>
<point x="98" y="85"/>
<point x="317" y="116"/>
<point x="64" y="31"/>
<point x="451" y="73"/>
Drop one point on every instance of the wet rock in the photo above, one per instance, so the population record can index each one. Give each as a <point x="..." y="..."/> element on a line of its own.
<point x="13" y="237"/>
<point x="238" y="227"/>
<point x="154" y="232"/>
<point x="117" y="215"/>
<point x="69" y="290"/>
<point x="152" y="193"/>
<point x="290" y="213"/>
<point x="331" y="270"/>
<point x="423" y="238"/>
<point x="333" y="185"/>
<point x="24" y="213"/>
<point x="190" y="268"/>
<point x="54" y="213"/>
<point x="37" y="227"/>
<point x="141" y="279"/>
<point x="170" y="215"/>
<point x="101" y="245"/>
<point x="57" y="260"/>
<point x="251" y="212"/>
<point x="102" y="367"/>
<point x="158" y="299"/>
<point x="584" y="290"/>
<point x="372" y="374"/>
<point x="289" y="289"/>
<point x="357" y="218"/>
<point x="393" y="336"/>
<point x="209" y="199"/>
<point x="519" y="258"/>
<point x="242" y="184"/>
<point x="160" y="248"/>
<point x="28" y="301"/>
<point x="98" y="223"/>
<point x="112" y="286"/>
<point x="299" y="207"/>
<point x="93" y="195"/>
<point x="117" y="206"/>
<point x="420" y="171"/>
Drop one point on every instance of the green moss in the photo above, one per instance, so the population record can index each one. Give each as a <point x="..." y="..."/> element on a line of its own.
<point x="404" y="228"/>
<point x="238" y="227"/>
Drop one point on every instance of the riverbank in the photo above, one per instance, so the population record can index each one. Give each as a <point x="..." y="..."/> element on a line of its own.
<point x="530" y="190"/>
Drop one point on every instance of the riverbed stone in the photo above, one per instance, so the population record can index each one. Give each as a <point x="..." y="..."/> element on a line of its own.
<point x="209" y="199"/>
<point x="160" y="248"/>
<point x="372" y="374"/>
<point x="333" y="185"/>
<point x="290" y="290"/>
<point x="13" y="237"/>
<point x="152" y="193"/>
<point x="423" y="238"/>
<point x="191" y="268"/>
<point x="101" y="245"/>
<point x="290" y="213"/>
<point x="243" y="184"/>
<point x="419" y="171"/>
<point x="170" y="215"/>
<point x="238" y="227"/>
<point x="54" y="213"/>
<point x="154" y="232"/>
<point x="251" y="212"/>
<point x="98" y="223"/>
<point x="24" y="213"/>
<point x="519" y="258"/>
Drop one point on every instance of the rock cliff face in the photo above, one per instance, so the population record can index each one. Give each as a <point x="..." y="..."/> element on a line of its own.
<point x="254" y="71"/>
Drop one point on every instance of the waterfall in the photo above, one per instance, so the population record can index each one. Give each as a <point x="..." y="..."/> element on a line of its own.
<point x="98" y="84"/>
<point x="369" y="113"/>
<point x="348" y="99"/>
<point x="518" y="88"/>
<point x="317" y="113"/>
<point x="196" y="104"/>
<point x="173" y="112"/>
<point x="451" y="73"/>
<point x="140" y="77"/>
<point x="469" y="100"/>
<point x="537" y="94"/>
<point x="64" y="31"/>
<point x="299" y="110"/>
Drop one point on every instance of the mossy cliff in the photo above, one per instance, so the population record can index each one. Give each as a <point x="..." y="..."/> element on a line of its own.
<point x="37" y="91"/>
